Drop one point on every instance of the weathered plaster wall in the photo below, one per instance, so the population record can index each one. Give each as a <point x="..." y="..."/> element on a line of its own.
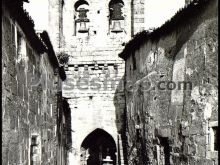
<point x="29" y="99"/>
<point x="174" y="126"/>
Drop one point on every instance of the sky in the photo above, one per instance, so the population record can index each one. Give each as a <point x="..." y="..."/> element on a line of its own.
<point x="157" y="12"/>
<point x="38" y="10"/>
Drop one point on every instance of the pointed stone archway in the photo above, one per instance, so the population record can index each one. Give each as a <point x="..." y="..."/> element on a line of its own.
<point x="96" y="146"/>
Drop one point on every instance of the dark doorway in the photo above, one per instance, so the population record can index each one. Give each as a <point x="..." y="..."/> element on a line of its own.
<point x="96" y="146"/>
<point x="165" y="149"/>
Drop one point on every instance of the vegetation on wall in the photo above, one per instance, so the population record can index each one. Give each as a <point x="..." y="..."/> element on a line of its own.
<point x="63" y="58"/>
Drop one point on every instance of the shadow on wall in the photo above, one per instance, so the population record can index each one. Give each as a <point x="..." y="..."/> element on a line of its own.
<point x="121" y="120"/>
<point x="183" y="33"/>
<point x="67" y="127"/>
<point x="190" y="26"/>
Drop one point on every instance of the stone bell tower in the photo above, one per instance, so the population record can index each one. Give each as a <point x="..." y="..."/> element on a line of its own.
<point x="91" y="33"/>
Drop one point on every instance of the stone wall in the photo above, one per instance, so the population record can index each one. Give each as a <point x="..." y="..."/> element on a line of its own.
<point x="94" y="70"/>
<point x="137" y="16"/>
<point x="54" y="23"/>
<point x="30" y="84"/>
<point x="168" y="124"/>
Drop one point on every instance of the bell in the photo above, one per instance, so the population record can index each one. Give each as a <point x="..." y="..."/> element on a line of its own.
<point x="82" y="28"/>
<point x="83" y="15"/>
<point x="117" y="27"/>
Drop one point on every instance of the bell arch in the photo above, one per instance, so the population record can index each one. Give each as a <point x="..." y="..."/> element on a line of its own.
<point x="116" y="16"/>
<point x="80" y="3"/>
<point x="115" y="9"/>
<point x="81" y="8"/>
<point x="97" y="146"/>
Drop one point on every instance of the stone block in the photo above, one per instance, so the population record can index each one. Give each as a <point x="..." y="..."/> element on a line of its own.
<point x="11" y="69"/>
<point x="163" y="132"/>
<point x="192" y="160"/>
<point x="192" y="150"/>
<point x="201" y="151"/>
<point x="13" y="154"/>
<point x="196" y="129"/>
<point x="5" y="155"/>
<point x="201" y="140"/>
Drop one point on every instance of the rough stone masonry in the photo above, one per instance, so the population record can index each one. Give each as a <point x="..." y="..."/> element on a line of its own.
<point x="94" y="84"/>
<point x="159" y="107"/>
<point x="171" y="90"/>
<point x="32" y="101"/>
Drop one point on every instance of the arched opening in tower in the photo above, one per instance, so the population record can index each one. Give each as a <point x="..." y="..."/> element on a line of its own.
<point x="81" y="3"/>
<point x="115" y="9"/>
<point x="80" y="17"/>
<point x="96" y="147"/>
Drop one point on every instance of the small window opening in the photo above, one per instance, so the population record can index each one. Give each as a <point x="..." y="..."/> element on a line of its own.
<point x="130" y="71"/>
<point x="34" y="150"/>
<point x="215" y="138"/>
<point x="45" y="116"/>
<point x="34" y="140"/>
<point x="164" y="153"/>
<point x="134" y="61"/>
